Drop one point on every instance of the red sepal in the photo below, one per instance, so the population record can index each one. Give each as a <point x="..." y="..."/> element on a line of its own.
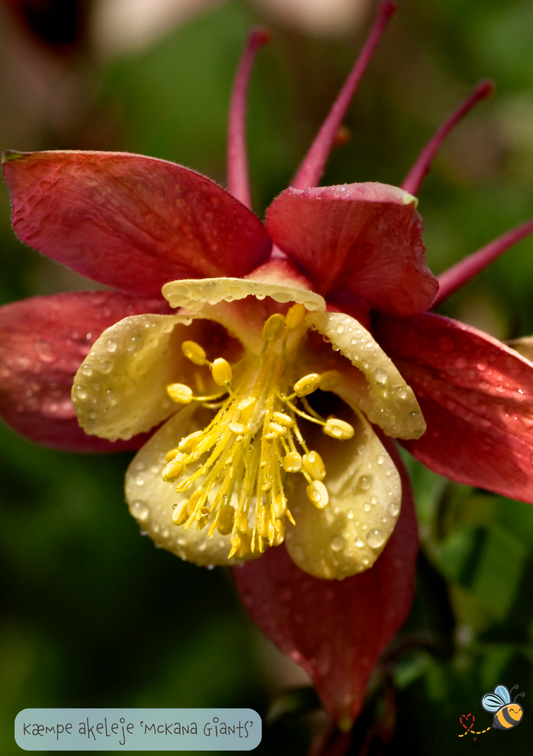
<point x="476" y="395"/>
<point x="336" y="630"/>
<point x="43" y="342"/>
<point x="362" y="238"/>
<point x="130" y="221"/>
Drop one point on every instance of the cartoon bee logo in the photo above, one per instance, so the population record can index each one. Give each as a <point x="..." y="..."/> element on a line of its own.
<point x="506" y="714"/>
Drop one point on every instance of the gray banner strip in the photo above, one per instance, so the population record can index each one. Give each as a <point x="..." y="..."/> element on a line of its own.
<point x="138" y="729"/>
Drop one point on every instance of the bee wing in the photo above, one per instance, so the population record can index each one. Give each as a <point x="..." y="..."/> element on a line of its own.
<point x="492" y="702"/>
<point x="503" y="692"/>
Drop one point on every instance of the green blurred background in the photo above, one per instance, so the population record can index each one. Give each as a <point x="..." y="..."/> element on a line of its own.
<point x="92" y="614"/>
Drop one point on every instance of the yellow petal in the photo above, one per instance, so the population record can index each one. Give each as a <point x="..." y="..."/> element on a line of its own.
<point x="151" y="499"/>
<point x="365" y="496"/>
<point x="242" y="306"/>
<point x="120" y="388"/>
<point x="384" y="397"/>
<point x="194" y="294"/>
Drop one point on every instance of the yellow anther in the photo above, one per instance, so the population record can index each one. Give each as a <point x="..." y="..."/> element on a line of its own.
<point x="221" y="371"/>
<point x="180" y="393"/>
<point x="241" y="521"/>
<point x="317" y="493"/>
<point x="338" y="429"/>
<point x="194" y="352"/>
<point x="307" y="384"/>
<point x="240" y="545"/>
<point x="180" y="514"/>
<point x="274" y="327"/>
<point x="330" y="380"/>
<point x="226" y="519"/>
<point x="237" y="428"/>
<point x="189" y="443"/>
<point x="246" y="403"/>
<point x="279" y="430"/>
<point x="174" y="468"/>
<point x="172" y="454"/>
<point x="279" y="533"/>
<point x="314" y="465"/>
<point x="294" y="316"/>
<point x="201" y="521"/>
<point x="280" y="505"/>
<point x="292" y="462"/>
<point x="283" y="419"/>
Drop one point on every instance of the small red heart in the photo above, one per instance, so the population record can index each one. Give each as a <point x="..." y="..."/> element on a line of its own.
<point x="467" y="717"/>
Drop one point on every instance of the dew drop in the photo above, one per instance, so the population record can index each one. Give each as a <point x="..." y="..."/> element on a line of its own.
<point x="446" y="344"/>
<point x="340" y="329"/>
<point x="394" y="508"/>
<point x="380" y="376"/>
<point x="139" y="480"/>
<point x="359" y="543"/>
<point x="337" y="542"/>
<point x="80" y="392"/>
<point x="381" y="459"/>
<point x="140" y="510"/>
<point x="365" y="482"/>
<point x="105" y="366"/>
<point x="111" y="345"/>
<point x="375" y="538"/>
<point x="86" y="370"/>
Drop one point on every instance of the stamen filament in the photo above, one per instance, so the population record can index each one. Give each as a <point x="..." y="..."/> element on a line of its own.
<point x="251" y="445"/>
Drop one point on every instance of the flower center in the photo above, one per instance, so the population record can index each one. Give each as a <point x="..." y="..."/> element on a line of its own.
<point x="253" y="444"/>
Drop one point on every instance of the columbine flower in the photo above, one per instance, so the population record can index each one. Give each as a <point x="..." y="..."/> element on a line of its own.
<point x="271" y="379"/>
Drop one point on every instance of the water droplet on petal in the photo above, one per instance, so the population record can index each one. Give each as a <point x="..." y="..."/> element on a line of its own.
<point x="140" y="510"/>
<point x="365" y="482"/>
<point x="375" y="538"/>
<point x="337" y="543"/>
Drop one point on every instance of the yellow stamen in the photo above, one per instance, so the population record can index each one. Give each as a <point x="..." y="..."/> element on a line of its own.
<point x="194" y="352"/>
<point x="273" y="328"/>
<point x="180" y="393"/>
<point x="221" y="372"/>
<point x="236" y="470"/>
<point x="338" y="429"/>
<point x="295" y="316"/>
<point x="313" y="465"/>
<point x="317" y="493"/>
<point x="307" y="384"/>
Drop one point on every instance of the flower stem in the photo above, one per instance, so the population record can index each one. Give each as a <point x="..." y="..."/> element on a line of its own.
<point x="311" y="169"/>
<point x="420" y="169"/>
<point x="462" y="272"/>
<point x="238" y="179"/>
